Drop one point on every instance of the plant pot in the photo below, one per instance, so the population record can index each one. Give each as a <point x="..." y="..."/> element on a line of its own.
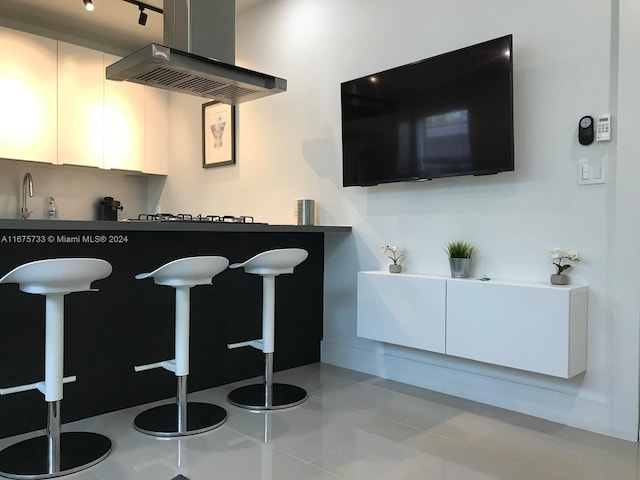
<point x="559" y="279"/>
<point x="460" y="267"/>
<point x="395" y="268"/>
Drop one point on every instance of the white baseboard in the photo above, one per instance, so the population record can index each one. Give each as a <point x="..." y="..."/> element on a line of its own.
<point x="512" y="392"/>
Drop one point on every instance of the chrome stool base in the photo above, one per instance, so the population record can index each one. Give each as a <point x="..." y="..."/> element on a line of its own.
<point x="31" y="458"/>
<point x="162" y="421"/>
<point x="253" y="397"/>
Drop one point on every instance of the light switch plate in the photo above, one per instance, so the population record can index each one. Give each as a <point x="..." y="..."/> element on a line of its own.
<point x="591" y="172"/>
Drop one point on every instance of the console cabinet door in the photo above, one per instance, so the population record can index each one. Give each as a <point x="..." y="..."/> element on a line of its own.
<point x="80" y="106"/>
<point x="540" y="329"/>
<point x="28" y="90"/>
<point x="405" y="309"/>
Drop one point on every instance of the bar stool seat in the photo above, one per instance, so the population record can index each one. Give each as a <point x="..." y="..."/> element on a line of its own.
<point x="54" y="454"/>
<point x="181" y="418"/>
<point x="268" y="395"/>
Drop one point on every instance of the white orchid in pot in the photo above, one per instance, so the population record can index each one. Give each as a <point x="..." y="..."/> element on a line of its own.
<point x="395" y="255"/>
<point x="559" y="256"/>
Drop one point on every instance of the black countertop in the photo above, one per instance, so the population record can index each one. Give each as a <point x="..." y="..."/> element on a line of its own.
<point x="134" y="226"/>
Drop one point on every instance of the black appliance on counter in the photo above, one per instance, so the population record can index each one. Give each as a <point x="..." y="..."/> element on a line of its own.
<point x="108" y="209"/>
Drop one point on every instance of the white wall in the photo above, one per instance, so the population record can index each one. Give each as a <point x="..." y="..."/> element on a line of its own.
<point x="623" y="305"/>
<point x="565" y="66"/>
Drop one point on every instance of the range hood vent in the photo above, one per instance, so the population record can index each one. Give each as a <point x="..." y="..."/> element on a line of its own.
<point x="170" y="68"/>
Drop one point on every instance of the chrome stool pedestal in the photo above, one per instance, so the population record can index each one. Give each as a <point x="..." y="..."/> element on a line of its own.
<point x="182" y="418"/>
<point x="268" y="395"/>
<point x="54" y="454"/>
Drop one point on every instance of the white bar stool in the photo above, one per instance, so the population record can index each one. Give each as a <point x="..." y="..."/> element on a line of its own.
<point x="268" y="395"/>
<point x="182" y="417"/>
<point x="54" y="454"/>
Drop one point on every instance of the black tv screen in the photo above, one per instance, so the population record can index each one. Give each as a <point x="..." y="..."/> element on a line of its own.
<point x="443" y="116"/>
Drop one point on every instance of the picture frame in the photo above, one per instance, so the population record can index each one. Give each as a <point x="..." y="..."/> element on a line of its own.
<point x="218" y="134"/>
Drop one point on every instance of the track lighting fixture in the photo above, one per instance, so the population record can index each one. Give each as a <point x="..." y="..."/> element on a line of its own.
<point x="142" y="19"/>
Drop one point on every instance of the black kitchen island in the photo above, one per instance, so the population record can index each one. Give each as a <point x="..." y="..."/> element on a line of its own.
<point x="131" y="322"/>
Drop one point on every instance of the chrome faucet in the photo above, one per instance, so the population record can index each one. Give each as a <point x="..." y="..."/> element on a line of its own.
<point x="27" y="188"/>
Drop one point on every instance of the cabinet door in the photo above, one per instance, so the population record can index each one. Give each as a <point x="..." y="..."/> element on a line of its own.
<point x="123" y="123"/>
<point x="28" y="84"/>
<point x="540" y="329"/>
<point x="406" y="310"/>
<point x="156" y="131"/>
<point x="80" y="106"/>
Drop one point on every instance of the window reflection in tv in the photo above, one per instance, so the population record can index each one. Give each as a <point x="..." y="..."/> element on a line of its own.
<point x="444" y="116"/>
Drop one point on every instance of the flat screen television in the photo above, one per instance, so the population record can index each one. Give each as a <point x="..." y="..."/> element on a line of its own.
<point x="444" y="116"/>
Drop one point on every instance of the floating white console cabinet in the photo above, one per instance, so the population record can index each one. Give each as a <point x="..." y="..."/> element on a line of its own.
<point x="402" y="309"/>
<point x="529" y="326"/>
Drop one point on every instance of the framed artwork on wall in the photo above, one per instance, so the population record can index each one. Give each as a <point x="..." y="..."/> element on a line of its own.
<point x="218" y="134"/>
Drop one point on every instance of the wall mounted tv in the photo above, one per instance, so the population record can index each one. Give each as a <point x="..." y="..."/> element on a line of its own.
<point x="445" y="116"/>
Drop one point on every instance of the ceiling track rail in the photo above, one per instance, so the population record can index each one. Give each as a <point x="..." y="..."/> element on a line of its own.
<point x="144" y="5"/>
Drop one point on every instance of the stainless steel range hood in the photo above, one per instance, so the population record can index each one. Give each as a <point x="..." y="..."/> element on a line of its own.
<point x="198" y="56"/>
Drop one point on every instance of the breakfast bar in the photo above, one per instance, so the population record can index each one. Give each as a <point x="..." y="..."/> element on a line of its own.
<point x="129" y="322"/>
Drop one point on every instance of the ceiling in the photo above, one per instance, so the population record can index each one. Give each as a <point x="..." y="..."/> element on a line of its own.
<point x="113" y="22"/>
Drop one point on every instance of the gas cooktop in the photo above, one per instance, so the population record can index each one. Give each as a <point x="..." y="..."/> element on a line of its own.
<point x="186" y="217"/>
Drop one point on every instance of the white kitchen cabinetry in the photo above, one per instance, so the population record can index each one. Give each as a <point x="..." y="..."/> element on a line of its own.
<point x="58" y="107"/>
<point x="28" y="88"/>
<point x="156" y="131"/>
<point x="80" y="106"/>
<point x="402" y="309"/>
<point x="529" y="326"/>
<point x="123" y="123"/>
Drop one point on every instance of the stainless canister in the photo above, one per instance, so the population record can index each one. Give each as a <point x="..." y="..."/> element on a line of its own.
<point x="306" y="212"/>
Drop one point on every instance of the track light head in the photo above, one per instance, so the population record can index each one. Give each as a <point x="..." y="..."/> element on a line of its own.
<point x="142" y="19"/>
<point x="88" y="4"/>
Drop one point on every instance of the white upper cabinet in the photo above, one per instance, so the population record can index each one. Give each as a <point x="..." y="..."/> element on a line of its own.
<point x="28" y="90"/>
<point x="156" y="131"/>
<point x="80" y="106"/>
<point x="123" y="123"/>
<point x="56" y="106"/>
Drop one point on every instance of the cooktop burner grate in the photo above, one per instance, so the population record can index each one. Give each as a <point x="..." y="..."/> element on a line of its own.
<point x="187" y="217"/>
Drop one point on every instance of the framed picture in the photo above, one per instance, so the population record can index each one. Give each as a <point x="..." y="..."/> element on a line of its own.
<point x="218" y="134"/>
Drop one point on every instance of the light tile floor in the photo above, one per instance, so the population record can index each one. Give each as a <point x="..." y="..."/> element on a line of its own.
<point x="355" y="426"/>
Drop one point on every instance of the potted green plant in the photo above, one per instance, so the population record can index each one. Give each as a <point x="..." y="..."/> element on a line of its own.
<point x="459" y="253"/>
